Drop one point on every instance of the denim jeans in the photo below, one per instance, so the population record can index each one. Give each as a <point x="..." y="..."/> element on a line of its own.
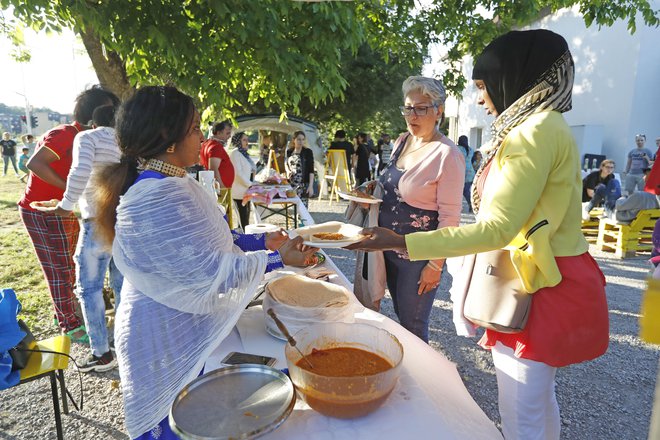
<point x="8" y="158"/>
<point x="92" y="262"/>
<point x="605" y="195"/>
<point x="413" y="310"/>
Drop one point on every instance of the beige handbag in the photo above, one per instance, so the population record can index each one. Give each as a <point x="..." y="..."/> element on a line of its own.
<point x="495" y="296"/>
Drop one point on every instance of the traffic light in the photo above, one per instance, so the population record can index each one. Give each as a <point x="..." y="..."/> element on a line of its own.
<point x="24" y="119"/>
<point x="33" y="120"/>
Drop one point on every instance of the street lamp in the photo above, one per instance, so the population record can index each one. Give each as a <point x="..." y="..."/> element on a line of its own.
<point x="28" y="119"/>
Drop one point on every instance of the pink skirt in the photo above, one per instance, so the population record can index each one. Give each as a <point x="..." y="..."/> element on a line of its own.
<point x="568" y="323"/>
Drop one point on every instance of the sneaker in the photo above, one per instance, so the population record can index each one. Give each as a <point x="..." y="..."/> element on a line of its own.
<point x="586" y="216"/>
<point x="103" y="363"/>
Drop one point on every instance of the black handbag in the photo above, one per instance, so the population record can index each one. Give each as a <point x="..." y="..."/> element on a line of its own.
<point x="21" y="353"/>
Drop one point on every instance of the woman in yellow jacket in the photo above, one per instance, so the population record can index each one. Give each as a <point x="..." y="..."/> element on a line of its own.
<point x="527" y="196"/>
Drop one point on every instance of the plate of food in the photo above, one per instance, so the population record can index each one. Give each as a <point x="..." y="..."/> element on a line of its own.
<point x="356" y="195"/>
<point x="330" y="234"/>
<point x="44" y="205"/>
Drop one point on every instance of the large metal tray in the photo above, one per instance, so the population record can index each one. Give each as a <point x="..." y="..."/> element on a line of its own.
<point x="237" y="402"/>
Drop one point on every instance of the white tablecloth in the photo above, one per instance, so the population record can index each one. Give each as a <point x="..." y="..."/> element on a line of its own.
<point x="429" y="401"/>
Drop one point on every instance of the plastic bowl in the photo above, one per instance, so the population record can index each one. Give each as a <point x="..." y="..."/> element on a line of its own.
<point x="345" y="397"/>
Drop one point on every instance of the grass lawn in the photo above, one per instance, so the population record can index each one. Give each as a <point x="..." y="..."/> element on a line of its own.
<point x="19" y="267"/>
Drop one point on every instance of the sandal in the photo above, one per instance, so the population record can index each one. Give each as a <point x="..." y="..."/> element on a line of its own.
<point x="79" y="334"/>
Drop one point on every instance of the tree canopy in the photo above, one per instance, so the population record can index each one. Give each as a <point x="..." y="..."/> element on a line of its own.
<point x="320" y="59"/>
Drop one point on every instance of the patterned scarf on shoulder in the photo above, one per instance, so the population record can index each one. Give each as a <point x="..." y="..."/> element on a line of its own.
<point x="551" y="92"/>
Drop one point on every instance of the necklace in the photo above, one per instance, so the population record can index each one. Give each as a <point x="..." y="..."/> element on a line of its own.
<point x="408" y="152"/>
<point x="164" y="168"/>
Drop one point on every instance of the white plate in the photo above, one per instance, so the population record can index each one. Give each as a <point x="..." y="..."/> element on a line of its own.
<point x="333" y="244"/>
<point x="48" y="208"/>
<point x="351" y="232"/>
<point x="358" y="199"/>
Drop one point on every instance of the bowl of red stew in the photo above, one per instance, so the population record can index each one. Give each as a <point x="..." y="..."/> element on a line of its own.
<point x="354" y="367"/>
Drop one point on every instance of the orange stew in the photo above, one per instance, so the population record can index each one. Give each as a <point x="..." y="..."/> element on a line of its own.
<point x="344" y="362"/>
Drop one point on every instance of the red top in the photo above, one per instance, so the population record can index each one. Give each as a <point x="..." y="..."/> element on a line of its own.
<point x="59" y="140"/>
<point x="215" y="148"/>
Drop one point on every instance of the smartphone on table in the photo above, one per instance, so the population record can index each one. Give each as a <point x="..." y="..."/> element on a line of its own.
<point x="237" y="358"/>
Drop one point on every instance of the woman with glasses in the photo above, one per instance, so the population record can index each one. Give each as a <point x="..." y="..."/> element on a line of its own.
<point x="600" y="187"/>
<point x="422" y="190"/>
<point x="526" y="196"/>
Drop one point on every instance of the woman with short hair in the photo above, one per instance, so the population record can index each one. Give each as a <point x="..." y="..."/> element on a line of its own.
<point x="244" y="168"/>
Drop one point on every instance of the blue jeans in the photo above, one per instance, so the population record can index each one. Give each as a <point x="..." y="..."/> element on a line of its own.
<point x="92" y="262"/>
<point x="467" y="194"/>
<point x="605" y="195"/>
<point x="412" y="309"/>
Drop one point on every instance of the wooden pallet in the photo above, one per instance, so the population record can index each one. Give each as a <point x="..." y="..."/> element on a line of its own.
<point x="590" y="227"/>
<point x="625" y="240"/>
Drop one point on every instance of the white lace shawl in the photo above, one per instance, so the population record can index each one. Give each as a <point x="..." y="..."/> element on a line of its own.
<point x="185" y="287"/>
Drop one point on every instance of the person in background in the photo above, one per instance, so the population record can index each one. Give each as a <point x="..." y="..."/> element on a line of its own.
<point x="638" y="159"/>
<point x="213" y="154"/>
<point x="527" y="199"/>
<point x="264" y="152"/>
<point x="340" y="143"/>
<point x="185" y="281"/>
<point x="92" y="149"/>
<point x="626" y="209"/>
<point x="22" y="163"/>
<point x="600" y="187"/>
<point x="28" y="141"/>
<point x="8" y="152"/>
<point x="384" y="151"/>
<point x="477" y="157"/>
<point x="300" y="167"/>
<point x="468" y="153"/>
<point x="245" y="169"/>
<point x="422" y="191"/>
<point x="54" y="237"/>
<point x="360" y="159"/>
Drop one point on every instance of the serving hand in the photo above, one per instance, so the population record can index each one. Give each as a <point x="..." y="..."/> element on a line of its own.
<point x="275" y="240"/>
<point x="294" y="253"/>
<point x="379" y="239"/>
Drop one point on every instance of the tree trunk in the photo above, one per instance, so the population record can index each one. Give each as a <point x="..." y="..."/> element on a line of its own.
<point x="109" y="67"/>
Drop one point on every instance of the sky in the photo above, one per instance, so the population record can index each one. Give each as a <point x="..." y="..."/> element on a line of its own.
<point x="58" y="71"/>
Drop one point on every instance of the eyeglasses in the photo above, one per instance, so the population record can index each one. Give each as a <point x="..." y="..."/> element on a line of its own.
<point x="421" y="110"/>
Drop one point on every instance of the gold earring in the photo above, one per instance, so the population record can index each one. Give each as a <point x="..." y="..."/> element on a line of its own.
<point x="170" y="149"/>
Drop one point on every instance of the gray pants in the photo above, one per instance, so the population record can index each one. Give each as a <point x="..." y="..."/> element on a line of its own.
<point x="631" y="181"/>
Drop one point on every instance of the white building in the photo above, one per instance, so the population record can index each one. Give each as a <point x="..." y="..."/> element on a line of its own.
<point x="616" y="93"/>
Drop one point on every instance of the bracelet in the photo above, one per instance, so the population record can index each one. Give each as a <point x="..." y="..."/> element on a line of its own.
<point x="434" y="266"/>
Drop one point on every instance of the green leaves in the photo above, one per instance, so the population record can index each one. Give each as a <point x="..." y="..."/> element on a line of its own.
<point x="288" y="56"/>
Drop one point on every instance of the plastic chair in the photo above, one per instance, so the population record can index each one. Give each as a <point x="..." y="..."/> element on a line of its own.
<point x="224" y="199"/>
<point x="50" y="365"/>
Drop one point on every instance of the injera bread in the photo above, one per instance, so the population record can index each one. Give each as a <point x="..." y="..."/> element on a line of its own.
<point x="301" y="291"/>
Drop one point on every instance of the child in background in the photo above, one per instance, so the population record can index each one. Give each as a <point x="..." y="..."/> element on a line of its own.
<point x="22" y="163"/>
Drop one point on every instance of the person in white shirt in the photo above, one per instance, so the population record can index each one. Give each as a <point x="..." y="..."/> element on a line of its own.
<point x="244" y="168"/>
<point x="91" y="150"/>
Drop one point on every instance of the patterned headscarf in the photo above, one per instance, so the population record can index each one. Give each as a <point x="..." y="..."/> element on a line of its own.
<point x="236" y="143"/>
<point x="525" y="72"/>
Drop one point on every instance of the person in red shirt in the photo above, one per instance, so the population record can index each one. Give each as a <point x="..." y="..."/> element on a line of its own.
<point x="54" y="237"/>
<point x="214" y="156"/>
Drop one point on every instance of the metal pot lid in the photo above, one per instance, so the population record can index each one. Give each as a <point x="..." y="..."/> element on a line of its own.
<point x="238" y="402"/>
